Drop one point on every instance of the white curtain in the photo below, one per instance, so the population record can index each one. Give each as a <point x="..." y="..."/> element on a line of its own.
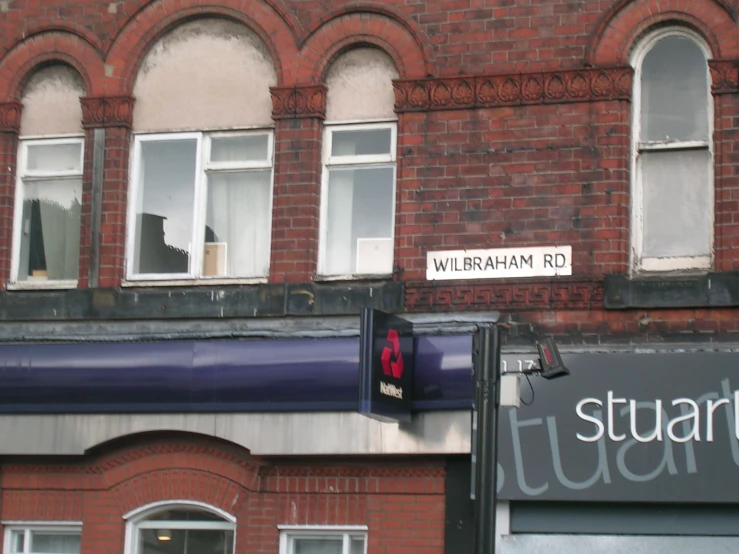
<point x="60" y="210"/>
<point x="239" y="215"/>
<point x="339" y="259"/>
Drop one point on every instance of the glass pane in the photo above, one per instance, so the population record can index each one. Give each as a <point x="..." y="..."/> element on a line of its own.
<point x="356" y="545"/>
<point x="238" y="223"/>
<point x="608" y="544"/>
<point x="674" y="92"/>
<point x="17" y="540"/>
<point x="361" y="143"/>
<point x="54" y="157"/>
<point x="50" y="230"/>
<point x="54" y="543"/>
<point x="239" y="149"/>
<point x="677" y="208"/>
<point x="318" y="546"/>
<point x="166" y="200"/>
<point x="184" y="514"/>
<point x="185" y="541"/>
<point x="360" y="224"/>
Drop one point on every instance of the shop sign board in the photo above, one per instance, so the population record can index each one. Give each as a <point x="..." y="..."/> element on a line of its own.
<point x="386" y="352"/>
<point x="632" y="427"/>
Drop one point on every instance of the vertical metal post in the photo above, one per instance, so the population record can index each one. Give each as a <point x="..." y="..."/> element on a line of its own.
<point x="98" y="162"/>
<point x="486" y="361"/>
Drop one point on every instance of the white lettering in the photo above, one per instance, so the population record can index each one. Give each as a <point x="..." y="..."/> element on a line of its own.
<point x="657" y="433"/>
<point x="391" y="390"/>
<point x="710" y="408"/>
<point x="598" y="423"/>
<point x="694" y="415"/>
<point x="611" y="402"/>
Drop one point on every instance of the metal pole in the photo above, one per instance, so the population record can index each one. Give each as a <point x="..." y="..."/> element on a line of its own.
<point x="486" y="361"/>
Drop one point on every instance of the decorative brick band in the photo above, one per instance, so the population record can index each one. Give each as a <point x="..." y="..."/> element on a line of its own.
<point x="10" y="117"/>
<point x="107" y="111"/>
<point x="298" y="101"/>
<point x="489" y="91"/>
<point x="724" y="76"/>
<point x="573" y="294"/>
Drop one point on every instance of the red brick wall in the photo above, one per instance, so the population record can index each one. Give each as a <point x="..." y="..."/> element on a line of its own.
<point x="526" y="171"/>
<point x="402" y="503"/>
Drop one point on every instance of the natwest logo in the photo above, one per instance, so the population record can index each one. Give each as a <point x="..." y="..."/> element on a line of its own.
<point x="391" y="357"/>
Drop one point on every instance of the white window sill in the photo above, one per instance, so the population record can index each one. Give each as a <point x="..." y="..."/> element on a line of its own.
<point x="41" y="284"/>
<point x="354" y="277"/>
<point x="193" y="282"/>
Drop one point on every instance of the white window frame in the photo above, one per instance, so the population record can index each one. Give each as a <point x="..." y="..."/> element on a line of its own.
<point x="330" y="162"/>
<point x="639" y="264"/>
<point x="288" y="534"/>
<point x="28" y="527"/>
<point x="137" y="519"/>
<point x="23" y="175"/>
<point x="203" y="167"/>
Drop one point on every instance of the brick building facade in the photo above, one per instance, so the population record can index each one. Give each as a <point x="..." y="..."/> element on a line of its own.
<point x="194" y="170"/>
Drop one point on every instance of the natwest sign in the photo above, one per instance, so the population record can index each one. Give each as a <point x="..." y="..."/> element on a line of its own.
<point x="385" y="366"/>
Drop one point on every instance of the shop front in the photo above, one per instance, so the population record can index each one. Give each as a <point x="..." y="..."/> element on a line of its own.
<point x="635" y="451"/>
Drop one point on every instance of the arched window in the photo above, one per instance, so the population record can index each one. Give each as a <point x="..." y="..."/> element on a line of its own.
<point x="48" y="199"/>
<point x="180" y="529"/>
<point x="359" y="144"/>
<point x="672" y="154"/>
<point x="200" y="204"/>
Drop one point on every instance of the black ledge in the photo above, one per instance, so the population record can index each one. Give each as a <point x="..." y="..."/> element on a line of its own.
<point x="712" y="290"/>
<point x="202" y="302"/>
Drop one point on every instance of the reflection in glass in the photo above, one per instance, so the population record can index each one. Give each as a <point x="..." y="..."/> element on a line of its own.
<point x="165" y="204"/>
<point x="318" y="546"/>
<point x="185" y="541"/>
<point x="677" y="211"/>
<point x="54" y="157"/>
<point x="360" y="207"/>
<point x="361" y="143"/>
<point x="54" y="543"/>
<point x="50" y="230"/>
<point x="674" y="92"/>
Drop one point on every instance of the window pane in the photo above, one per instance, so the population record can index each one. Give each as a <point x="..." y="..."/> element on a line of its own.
<point x="361" y="143"/>
<point x="356" y="545"/>
<point x="238" y="223"/>
<point x="677" y="208"/>
<point x="166" y="199"/>
<point x="318" y="546"/>
<point x="239" y="149"/>
<point x="360" y="225"/>
<point x="50" y="230"/>
<point x="609" y="544"/>
<point x="54" y="543"/>
<point x="17" y="540"/>
<point x="184" y="514"/>
<point x="54" y="157"/>
<point x="185" y="541"/>
<point x="674" y="92"/>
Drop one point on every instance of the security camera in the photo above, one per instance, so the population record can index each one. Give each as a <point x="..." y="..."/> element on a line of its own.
<point x="550" y="360"/>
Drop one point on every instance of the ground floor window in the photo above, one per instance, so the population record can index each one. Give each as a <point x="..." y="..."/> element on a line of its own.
<point x="41" y="539"/>
<point x="323" y="540"/>
<point x="182" y="530"/>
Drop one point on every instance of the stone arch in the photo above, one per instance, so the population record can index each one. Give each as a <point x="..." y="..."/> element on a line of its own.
<point x="357" y="29"/>
<point x="130" y="47"/>
<point x="622" y="25"/>
<point x="48" y="47"/>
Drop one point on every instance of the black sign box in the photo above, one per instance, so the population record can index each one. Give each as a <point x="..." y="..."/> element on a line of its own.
<point x="385" y="366"/>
